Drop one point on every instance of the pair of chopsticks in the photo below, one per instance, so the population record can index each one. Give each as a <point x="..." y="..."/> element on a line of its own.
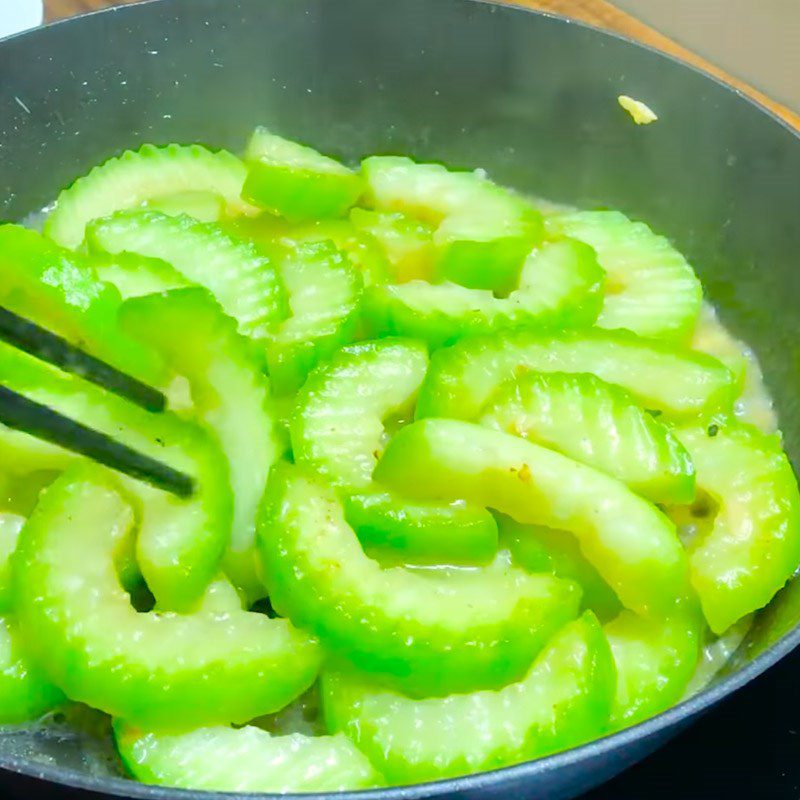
<point x="23" y="414"/>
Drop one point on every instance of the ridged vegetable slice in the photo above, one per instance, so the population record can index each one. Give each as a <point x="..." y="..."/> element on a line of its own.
<point x="158" y="670"/>
<point x="674" y="380"/>
<point x="560" y="286"/>
<point x="597" y="424"/>
<point x="651" y="289"/>
<point x="563" y="701"/>
<point x="146" y="174"/>
<point x="244" y="760"/>
<point x="25" y="692"/>
<point x="297" y="182"/>
<point x="231" y="396"/>
<point x="632" y="545"/>
<point x="430" y="633"/>
<point x="135" y="275"/>
<point x="753" y="547"/>
<point x="244" y="280"/>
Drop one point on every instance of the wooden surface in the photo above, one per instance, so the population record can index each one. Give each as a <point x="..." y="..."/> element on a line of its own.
<point x="595" y="12"/>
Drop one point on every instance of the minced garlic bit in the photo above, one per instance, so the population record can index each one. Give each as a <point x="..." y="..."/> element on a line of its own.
<point x="641" y="113"/>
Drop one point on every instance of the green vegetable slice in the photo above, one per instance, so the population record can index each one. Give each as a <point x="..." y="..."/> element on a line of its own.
<point x="753" y="547"/>
<point x="597" y="424"/>
<point x="244" y="760"/>
<point x="180" y="542"/>
<point x="655" y="660"/>
<point x="661" y="377"/>
<point x="144" y="175"/>
<point x="135" y="275"/>
<point x="154" y="669"/>
<point x="297" y="182"/>
<point x="429" y="633"/>
<point x="10" y="526"/>
<point x="231" y="397"/>
<point x="200" y="205"/>
<point x="563" y="701"/>
<point x="25" y="692"/>
<point x="325" y="299"/>
<point x="560" y="286"/>
<point x="630" y="543"/>
<point x="243" y="279"/>
<point x="651" y="289"/>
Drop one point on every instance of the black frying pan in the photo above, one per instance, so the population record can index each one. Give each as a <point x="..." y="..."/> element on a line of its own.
<point x="531" y="98"/>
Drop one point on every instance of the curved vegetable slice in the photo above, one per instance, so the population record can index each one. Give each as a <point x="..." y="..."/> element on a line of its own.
<point x="537" y="548"/>
<point x="244" y="760"/>
<point x="560" y="286"/>
<point x="676" y="381"/>
<point x="597" y="424"/>
<point x="325" y="298"/>
<point x="630" y="543"/>
<point x="153" y="669"/>
<point x="180" y="542"/>
<point x="144" y="175"/>
<point x="655" y="660"/>
<point x="243" y="279"/>
<point x="135" y="275"/>
<point x="61" y="291"/>
<point x="25" y="692"/>
<point x="10" y="526"/>
<point x="231" y="396"/>
<point x="432" y="634"/>
<point x="651" y="289"/>
<point x="563" y="701"/>
<point x="407" y="242"/>
<point x="338" y="430"/>
<point x="200" y="205"/>
<point x="295" y="181"/>
<point x="753" y="547"/>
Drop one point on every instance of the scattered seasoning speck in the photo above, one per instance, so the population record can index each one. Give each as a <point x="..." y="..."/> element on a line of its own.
<point x="640" y="113"/>
<point x="713" y="430"/>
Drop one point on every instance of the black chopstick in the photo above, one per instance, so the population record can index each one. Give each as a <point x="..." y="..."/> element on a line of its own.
<point x="25" y="335"/>
<point x="20" y="413"/>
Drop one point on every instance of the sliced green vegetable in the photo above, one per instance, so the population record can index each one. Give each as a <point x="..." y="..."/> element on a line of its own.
<point x="651" y="289"/>
<point x="662" y="378"/>
<point x="325" y="298"/>
<point x="597" y="424"/>
<point x="244" y="760"/>
<point x="136" y="275"/>
<point x="563" y="701"/>
<point x="144" y="175"/>
<point x="25" y="692"/>
<point x="537" y="548"/>
<point x="180" y="542"/>
<point x="630" y="543"/>
<point x="753" y="547"/>
<point x="231" y="396"/>
<point x="297" y="182"/>
<point x="244" y="280"/>
<point x="560" y="286"/>
<point x="202" y="206"/>
<point x="61" y="291"/>
<point x="10" y="526"/>
<point x="429" y="633"/>
<point x="155" y="669"/>
<point x="655" y="660"/>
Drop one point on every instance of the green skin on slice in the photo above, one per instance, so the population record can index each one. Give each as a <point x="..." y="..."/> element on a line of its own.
<point x="560" y="286"/>
<point x="662" y="378"/>
<point x="181" y="541"/>
<point x="246" y="759"/>
<point x="26" y="694"/>
<point x="61" y="291"/>
<point x="146" y="175"/>
<point x="651" y="289"/>
<point x="563" y="701"/>
<point x="10" y="526"/>
<point x="753" y="546"/>
<point x="231" y="397"/>
<point x="297" y="182"/>
<point x="160" y="670"/>
<point x="597" y="424"/>
<point x="631" y="544"/>
<point x="241" y="277"/>
<point x="325" y="299"/>
<point x="425" y="632"/>
<point x="338" y="430"/>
